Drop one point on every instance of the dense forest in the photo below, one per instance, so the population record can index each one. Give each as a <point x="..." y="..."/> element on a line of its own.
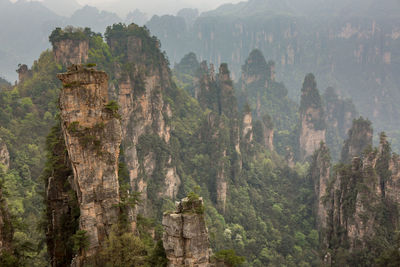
<point x="103" y="145"/>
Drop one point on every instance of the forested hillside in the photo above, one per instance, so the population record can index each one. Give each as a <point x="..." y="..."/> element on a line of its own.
<point x="100" y="137"/>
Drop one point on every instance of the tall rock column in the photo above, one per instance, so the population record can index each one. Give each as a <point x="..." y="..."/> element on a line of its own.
<point x="185" y="238"/>
<point x="92" y="134"/>
<point x="360" y="137"/>
<point x="312" y="128"/>
<point x="320" y="174"/>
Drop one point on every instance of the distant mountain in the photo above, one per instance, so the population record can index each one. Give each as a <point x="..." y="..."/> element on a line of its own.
<point x="97" y="20"/>
<point x="62" y="7"/>
<point x="316" y="8"/>
<point x="137" y="17"/>
<point x="252" y="8"/>
<point x="24" y="27"/>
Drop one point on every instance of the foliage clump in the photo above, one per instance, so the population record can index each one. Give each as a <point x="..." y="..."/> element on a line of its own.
<point x="70" y="33"/>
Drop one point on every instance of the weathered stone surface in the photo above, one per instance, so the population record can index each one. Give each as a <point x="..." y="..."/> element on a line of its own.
<point x="312" y="118"/>
<point x="92" y="136"/>
<point x="62" y="206"/>
<point x="70" y="51"/>
<point x="360" y="202"/>
<point x="320" y="174"/>
<point x="360" y="137"/>
<point x="185" y="238"/>
<point x="310" y="138"/>
<point x="4" y="155"/>
<point x="144" y="113"/>
<point x="247" y="131"/>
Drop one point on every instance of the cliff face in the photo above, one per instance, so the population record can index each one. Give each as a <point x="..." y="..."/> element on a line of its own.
<point x="247" y="127"/>
<point x="92" y="136"/>
<point x="312" y="127"/>
<point x="360" y="204"/>
<point x="360" y="137"/>
<point x="320" y="174"/>
<point x="61" y="202"/>
<point x="142" y="80"/>
<point x="4" y="155"/>
<point x="340" y="113"/>
<point x="71" y="51"/>
<point x="186" y="236"/>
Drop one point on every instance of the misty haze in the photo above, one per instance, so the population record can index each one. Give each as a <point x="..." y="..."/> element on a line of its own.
<point x="186" y="133"/>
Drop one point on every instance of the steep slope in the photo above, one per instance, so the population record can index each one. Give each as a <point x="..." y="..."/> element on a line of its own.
<point x="357" y="206"/>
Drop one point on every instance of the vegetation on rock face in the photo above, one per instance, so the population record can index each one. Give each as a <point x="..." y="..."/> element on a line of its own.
<point x="70" y="33"/>
<point x="268" y="215"/>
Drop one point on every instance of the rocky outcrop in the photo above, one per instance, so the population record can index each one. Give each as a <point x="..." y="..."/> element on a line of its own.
<point x="4" y="155"/>
<point x="360" y="203"/>
<point x="70" y="51"/>
<point x="247" y="127"/>
<point x="142" y="80"/>
<point x="62" y="208"/>
<point x="185" y="239"/>
<point x="340" y="113"/>
<point x="268" y="132"/>
<point x="92" y="134"/>
<point x="312" y="119"/>
<point x="320" y="173"/>
<point x="360" y="137"/>
<point x="23" y="72"/>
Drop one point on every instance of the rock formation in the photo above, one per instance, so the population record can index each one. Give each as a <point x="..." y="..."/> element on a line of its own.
<point x="320" y="173"/>
<point x="70" y="51"/>
<point x="92" y="134"/>
<point x="268" y="132"/>
<point x="247" y="127"/>
<point x="312" y="127"/>
<point x="143" y="78"/>
<point x="360" y="203"/>
<point x="61" y="202"/>
<point x="360" y="137"/>
<point x="23" y="72"/>
<point x="4" y="155"/>
<point x="185" y="238"/>
<point x="340" y="113"/>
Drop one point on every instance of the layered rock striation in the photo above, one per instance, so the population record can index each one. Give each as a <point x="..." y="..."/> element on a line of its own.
<point x="143" y="77"/>
<point x="92" y="134"/>
<point x="185" y="238"/>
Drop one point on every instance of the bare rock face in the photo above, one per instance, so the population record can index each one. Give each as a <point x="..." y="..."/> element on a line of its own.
<point x="268" y="132"/>
<point x="359" y="203"/>
<point x="360" y="137"/>
<point x="92" y="134"/>
<point x="4" y="155"/>
<point x="144" y="116"/>
<point x="320" y="174"/>
<point x="247" y="131"/>
<point x="71" y="51"/>
<point x="62" y="206"/>
<point x="313" y="128"/>
<point x="23" y="72"/>
<point x="185" y="239"/>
